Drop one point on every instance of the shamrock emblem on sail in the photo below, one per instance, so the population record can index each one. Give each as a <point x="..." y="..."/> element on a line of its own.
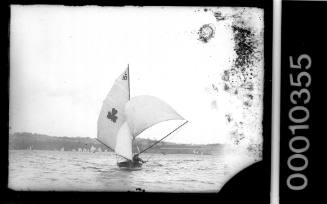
<point x="112" y="115"/>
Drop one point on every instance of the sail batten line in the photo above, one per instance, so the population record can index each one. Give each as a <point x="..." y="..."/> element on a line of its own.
<point x="162" y="138"/>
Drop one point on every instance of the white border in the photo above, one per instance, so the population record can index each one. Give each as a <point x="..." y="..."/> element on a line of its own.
<point x="275" y="130"/>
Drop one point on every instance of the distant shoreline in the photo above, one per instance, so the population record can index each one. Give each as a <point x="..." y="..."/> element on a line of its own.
<point x="32" y="141"/>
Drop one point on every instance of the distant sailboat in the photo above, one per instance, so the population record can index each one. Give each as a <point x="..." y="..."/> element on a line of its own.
<point x="93" y="149"/>
<point x="123" y="118"/>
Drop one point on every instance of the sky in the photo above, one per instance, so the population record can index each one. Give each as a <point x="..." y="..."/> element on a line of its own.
<point x="64" y="60"/>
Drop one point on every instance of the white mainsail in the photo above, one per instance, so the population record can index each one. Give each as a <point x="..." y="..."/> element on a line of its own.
<point x="145" y="111"/>
<point x="112" y="115"/>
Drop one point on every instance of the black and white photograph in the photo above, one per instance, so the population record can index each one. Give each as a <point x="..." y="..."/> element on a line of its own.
<point x="124" y="99"/>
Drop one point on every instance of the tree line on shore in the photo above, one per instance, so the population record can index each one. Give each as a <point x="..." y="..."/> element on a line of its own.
<point x="33" y="141"/>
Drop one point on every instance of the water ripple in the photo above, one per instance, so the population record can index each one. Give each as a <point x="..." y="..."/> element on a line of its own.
<point x="98" y="172"/>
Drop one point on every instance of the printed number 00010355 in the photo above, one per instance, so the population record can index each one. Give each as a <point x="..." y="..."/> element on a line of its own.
<point x="298" y="115"/>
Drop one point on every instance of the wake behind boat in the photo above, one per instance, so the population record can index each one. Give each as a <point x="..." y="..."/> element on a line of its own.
<point x="123" y="118"/>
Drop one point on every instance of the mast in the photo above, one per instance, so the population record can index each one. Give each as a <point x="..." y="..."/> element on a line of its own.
<point x="162" y="138"/>
<point x="129" y="88"/>
<point x="129" y="96"/>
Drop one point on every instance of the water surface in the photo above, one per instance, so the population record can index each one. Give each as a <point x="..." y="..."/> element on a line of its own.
<point x="84" y="171"/>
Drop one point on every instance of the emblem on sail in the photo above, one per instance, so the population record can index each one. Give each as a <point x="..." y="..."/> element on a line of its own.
<point x="112" y="115"/>
<point x="123" y="118"/>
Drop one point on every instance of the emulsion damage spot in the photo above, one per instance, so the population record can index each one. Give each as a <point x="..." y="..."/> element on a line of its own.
<point x="241" y="77"/>
<point x="256" y="151"/>
<point x="244" y="46"/>
<point x="228" y="117"/>
<point x="219" y="16"/>
<point x="206" y="32"/>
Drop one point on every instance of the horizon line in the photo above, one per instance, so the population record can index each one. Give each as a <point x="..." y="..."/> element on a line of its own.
<point x="34" y="133"/>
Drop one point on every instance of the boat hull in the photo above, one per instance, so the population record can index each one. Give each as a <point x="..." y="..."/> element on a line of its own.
<point x="128" y="165"/>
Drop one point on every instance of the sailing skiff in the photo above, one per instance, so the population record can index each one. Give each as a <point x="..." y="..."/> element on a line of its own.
<point x="122" y="119"/>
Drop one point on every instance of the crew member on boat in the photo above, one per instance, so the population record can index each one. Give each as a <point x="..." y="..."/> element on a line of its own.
<point x="137" y="159"/>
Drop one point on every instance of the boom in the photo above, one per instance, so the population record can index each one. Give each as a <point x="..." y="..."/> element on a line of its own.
<point x="161" y="138"/>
